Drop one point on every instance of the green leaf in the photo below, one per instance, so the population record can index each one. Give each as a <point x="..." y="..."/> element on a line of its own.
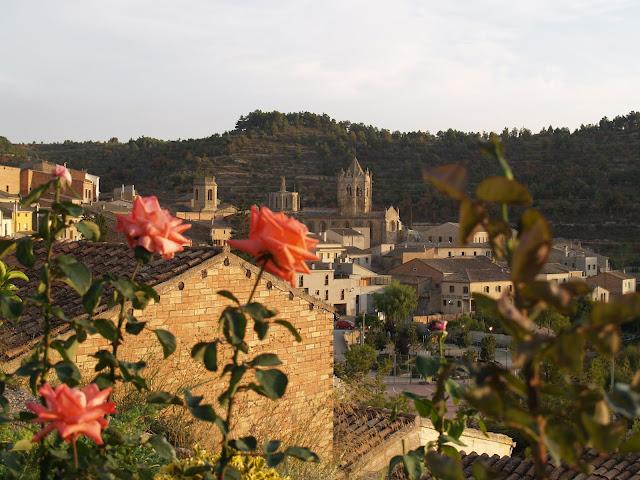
<point x="534" y="245"/>
<point x="133" y="326"/>
<point x="24" y="252"/>
<point x="261" y="329"/>
<point x="68" y="373"/>
<point x="229" y="295"/>
<point x="266" y="360"/>
<point x="230" y="473"/>
<point x="449" y="179"/>
<point x="275" y="459"/>
<point x="302" y="453"/>
<point x="273" y="381"/>
<point x="142" y="254"/>
<point x="503" y="190"/>
<point x="443" y="466"/>
<point x="424" y="406"/>
<point x="92" y="298"/>
<point x="89" y="230"/>
<point x="412" y="466"/>
<point x="167" y="340"/>
<point x="164" y="398"/>
<point x="35" y="194"/>
<point x="427" y="366"/>
<point x="207" y="353"/>
<point x="272" y="446"/>
<point x="471" y="215"/>
<point x="258" y="312"/>
<point x="162" y="447"/>
<point x="234" y="325"/>
<point x="624" y="401"/>
<point x="291" y="328"/>
<point x="6" y="247"/>
<point x="106" y="328"/>
<point x="23" y="445"/>
<point x="11" y="307"/>
<point x="77" y="275"/>
<point x="244" y="444"/>
<point x="69" y="208"/>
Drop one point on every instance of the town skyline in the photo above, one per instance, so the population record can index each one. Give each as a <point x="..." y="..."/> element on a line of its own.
<point x="100" y="74"/>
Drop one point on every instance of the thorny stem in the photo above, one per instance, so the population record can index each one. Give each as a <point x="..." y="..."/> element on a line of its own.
<point x="532" y="376"/>
<point x="227" y="453"/>
<point x="121" y="316"/>
<point x="46" y="363"/>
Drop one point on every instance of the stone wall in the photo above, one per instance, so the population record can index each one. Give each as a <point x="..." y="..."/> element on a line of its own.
<point x="10" y="180"/>
<point x="189" y="308"/>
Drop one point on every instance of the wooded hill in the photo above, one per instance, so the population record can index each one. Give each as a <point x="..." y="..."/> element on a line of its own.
<point x="586" y="181"/>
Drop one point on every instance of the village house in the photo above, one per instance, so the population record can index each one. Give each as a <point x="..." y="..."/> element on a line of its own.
<point x="559" y="273"/>
<point x="404" y="252"/>
<point x="348" y="287"/>
<point x="446" y="285"/>
<point x="614" y="282"/>
<point x="574" y="255"/>
<point x="85" y="188"/>
<point x="448" y="232"/>
<point x="190" y="308"/>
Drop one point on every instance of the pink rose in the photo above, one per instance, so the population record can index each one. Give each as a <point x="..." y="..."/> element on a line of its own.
<point x="63" y="174"/>
<point x="153" y="228"/>
<point x="73" y="412"/>
<point x="281" y="240"/>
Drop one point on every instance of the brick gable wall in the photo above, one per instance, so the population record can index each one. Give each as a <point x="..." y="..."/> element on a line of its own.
<point x="191" y="314"/>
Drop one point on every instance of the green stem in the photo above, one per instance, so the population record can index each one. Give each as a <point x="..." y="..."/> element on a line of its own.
<point x="121" y="317"/>
<point x="46" y="341"/>
<point x="258" y="278"/>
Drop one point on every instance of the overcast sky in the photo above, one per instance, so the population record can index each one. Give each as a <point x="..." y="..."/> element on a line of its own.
<point x="93" y="69"/>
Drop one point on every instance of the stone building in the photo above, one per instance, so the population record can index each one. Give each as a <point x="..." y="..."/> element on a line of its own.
<point x="189" y="308"/>
<point x="446" y="285"/>
<point x="282" y="200"/>
<point x="616" y="283"/>
<point x="355" y="209"/>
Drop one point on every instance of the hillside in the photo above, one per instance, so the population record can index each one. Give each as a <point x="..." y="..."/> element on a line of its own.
<point x="585" y="181"/>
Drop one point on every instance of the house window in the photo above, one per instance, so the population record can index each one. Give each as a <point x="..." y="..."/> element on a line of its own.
<point x="210" y="194"/>
<point x="317" y="293"/>
<point x="486" y="289"/>
<point x="463" y="254"/>
<point x="439" y="239"/>
<point x="195" y="194"/>
<point x="449" y="253"/>
<point x="450" y="239"/>
<point x="326" y="279"/>
<point x="459" y="304"/>
<point x="301" y="281"/>
<point x="430" y="238"/>
<point x="474" y="253"/>
<point x="444" y="303"/>
<point x="7" y="188"/>
<point x="326" y="294"/>
<point x="511" y="288"/>
<point x="452" y="289"/>
<point x="342" y="294"/>
<point x="498" y="288"/>
<point x="465" y="289"/>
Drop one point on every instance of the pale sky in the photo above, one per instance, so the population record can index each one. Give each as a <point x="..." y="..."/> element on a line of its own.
<point x="93" y="69"/>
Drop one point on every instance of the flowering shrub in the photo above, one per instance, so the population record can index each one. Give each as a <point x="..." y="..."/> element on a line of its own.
<point x="74" y="412"/>
<point x="559" y="415"/>
<point x="250" y="468"/>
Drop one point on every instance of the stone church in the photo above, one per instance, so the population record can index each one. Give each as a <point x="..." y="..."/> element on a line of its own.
<point x="355" y="209"/>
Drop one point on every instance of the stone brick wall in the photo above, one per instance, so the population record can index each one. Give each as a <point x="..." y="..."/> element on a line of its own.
<point x="10" y="179"/>
<point x="189" y="308"/>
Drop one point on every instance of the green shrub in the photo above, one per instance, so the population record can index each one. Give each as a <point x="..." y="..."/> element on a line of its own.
<point x="488" y="348"/>
<point x="360" y="359"/>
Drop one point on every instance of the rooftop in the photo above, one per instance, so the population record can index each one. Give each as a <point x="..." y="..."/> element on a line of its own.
<point x="346" y="232"/>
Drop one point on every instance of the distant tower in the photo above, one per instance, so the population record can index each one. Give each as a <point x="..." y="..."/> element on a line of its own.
<point x="354" y="190"/>
<point x="283" y="200"/>
<point x="205" y="194"/>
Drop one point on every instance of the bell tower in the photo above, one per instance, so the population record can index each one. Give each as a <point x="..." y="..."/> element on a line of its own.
<point x="354" y="190"/>
<point x="205" y="194"/>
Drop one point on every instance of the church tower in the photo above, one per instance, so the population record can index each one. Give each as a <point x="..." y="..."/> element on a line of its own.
<point x="354" y="190"/>
<point x="283" y="200"/>
<point x="205" y="194"/>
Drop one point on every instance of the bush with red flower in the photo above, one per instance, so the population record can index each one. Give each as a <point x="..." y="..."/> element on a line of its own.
<point x="76" y="439"/>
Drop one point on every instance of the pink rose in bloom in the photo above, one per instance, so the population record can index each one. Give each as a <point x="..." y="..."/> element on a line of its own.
<point x="63" y="174"/>
<point x="153" y="228"/>
<point x="280" y="241"/>
<point x="440" y="326"/>
<point x="73" y="412"/>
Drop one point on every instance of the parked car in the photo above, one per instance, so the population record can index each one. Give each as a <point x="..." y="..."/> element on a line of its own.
<point x="344" y="325"/>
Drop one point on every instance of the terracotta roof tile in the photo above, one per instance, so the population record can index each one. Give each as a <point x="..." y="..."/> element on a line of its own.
<point x="100" y="258"/>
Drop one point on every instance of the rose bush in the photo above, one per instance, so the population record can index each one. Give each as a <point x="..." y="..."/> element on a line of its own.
<point x="75" y="412"/>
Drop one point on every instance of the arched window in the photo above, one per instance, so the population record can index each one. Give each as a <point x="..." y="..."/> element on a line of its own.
<point x="349" y="191"/>
<point x="195" y="195"/>
<point x="326" y="279"/>
<point x="358" y="191"/>
<point x="210" y="194"/>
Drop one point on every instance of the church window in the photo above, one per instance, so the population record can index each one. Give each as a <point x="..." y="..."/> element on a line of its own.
<point x="358" y="191"/>
<point x="349" y="191"/>
<point x="195" y="195"/>
<point x="210" y="194"/>
<point x="323" y="227"/>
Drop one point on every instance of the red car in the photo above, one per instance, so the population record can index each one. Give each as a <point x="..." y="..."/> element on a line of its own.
<point x="344" y="325"/>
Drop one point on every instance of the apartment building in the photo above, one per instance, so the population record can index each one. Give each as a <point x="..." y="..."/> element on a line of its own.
<point x="616" y="283"/>
<point x="448" y="232"/>
<point x="574" y="255"/>
<point x="559" y="273"/>
<point x="405" y="252"/>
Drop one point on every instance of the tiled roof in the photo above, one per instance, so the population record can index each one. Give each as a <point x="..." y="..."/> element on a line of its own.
<point x="100" y="258"/>
<point x="619" y="275"/>
<point x="346" y="232"/>
<point x="351" y="250"/>
<point x="361" y="429"/>
<point x="554" y="267"/>
<point x="616" y="467"/>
